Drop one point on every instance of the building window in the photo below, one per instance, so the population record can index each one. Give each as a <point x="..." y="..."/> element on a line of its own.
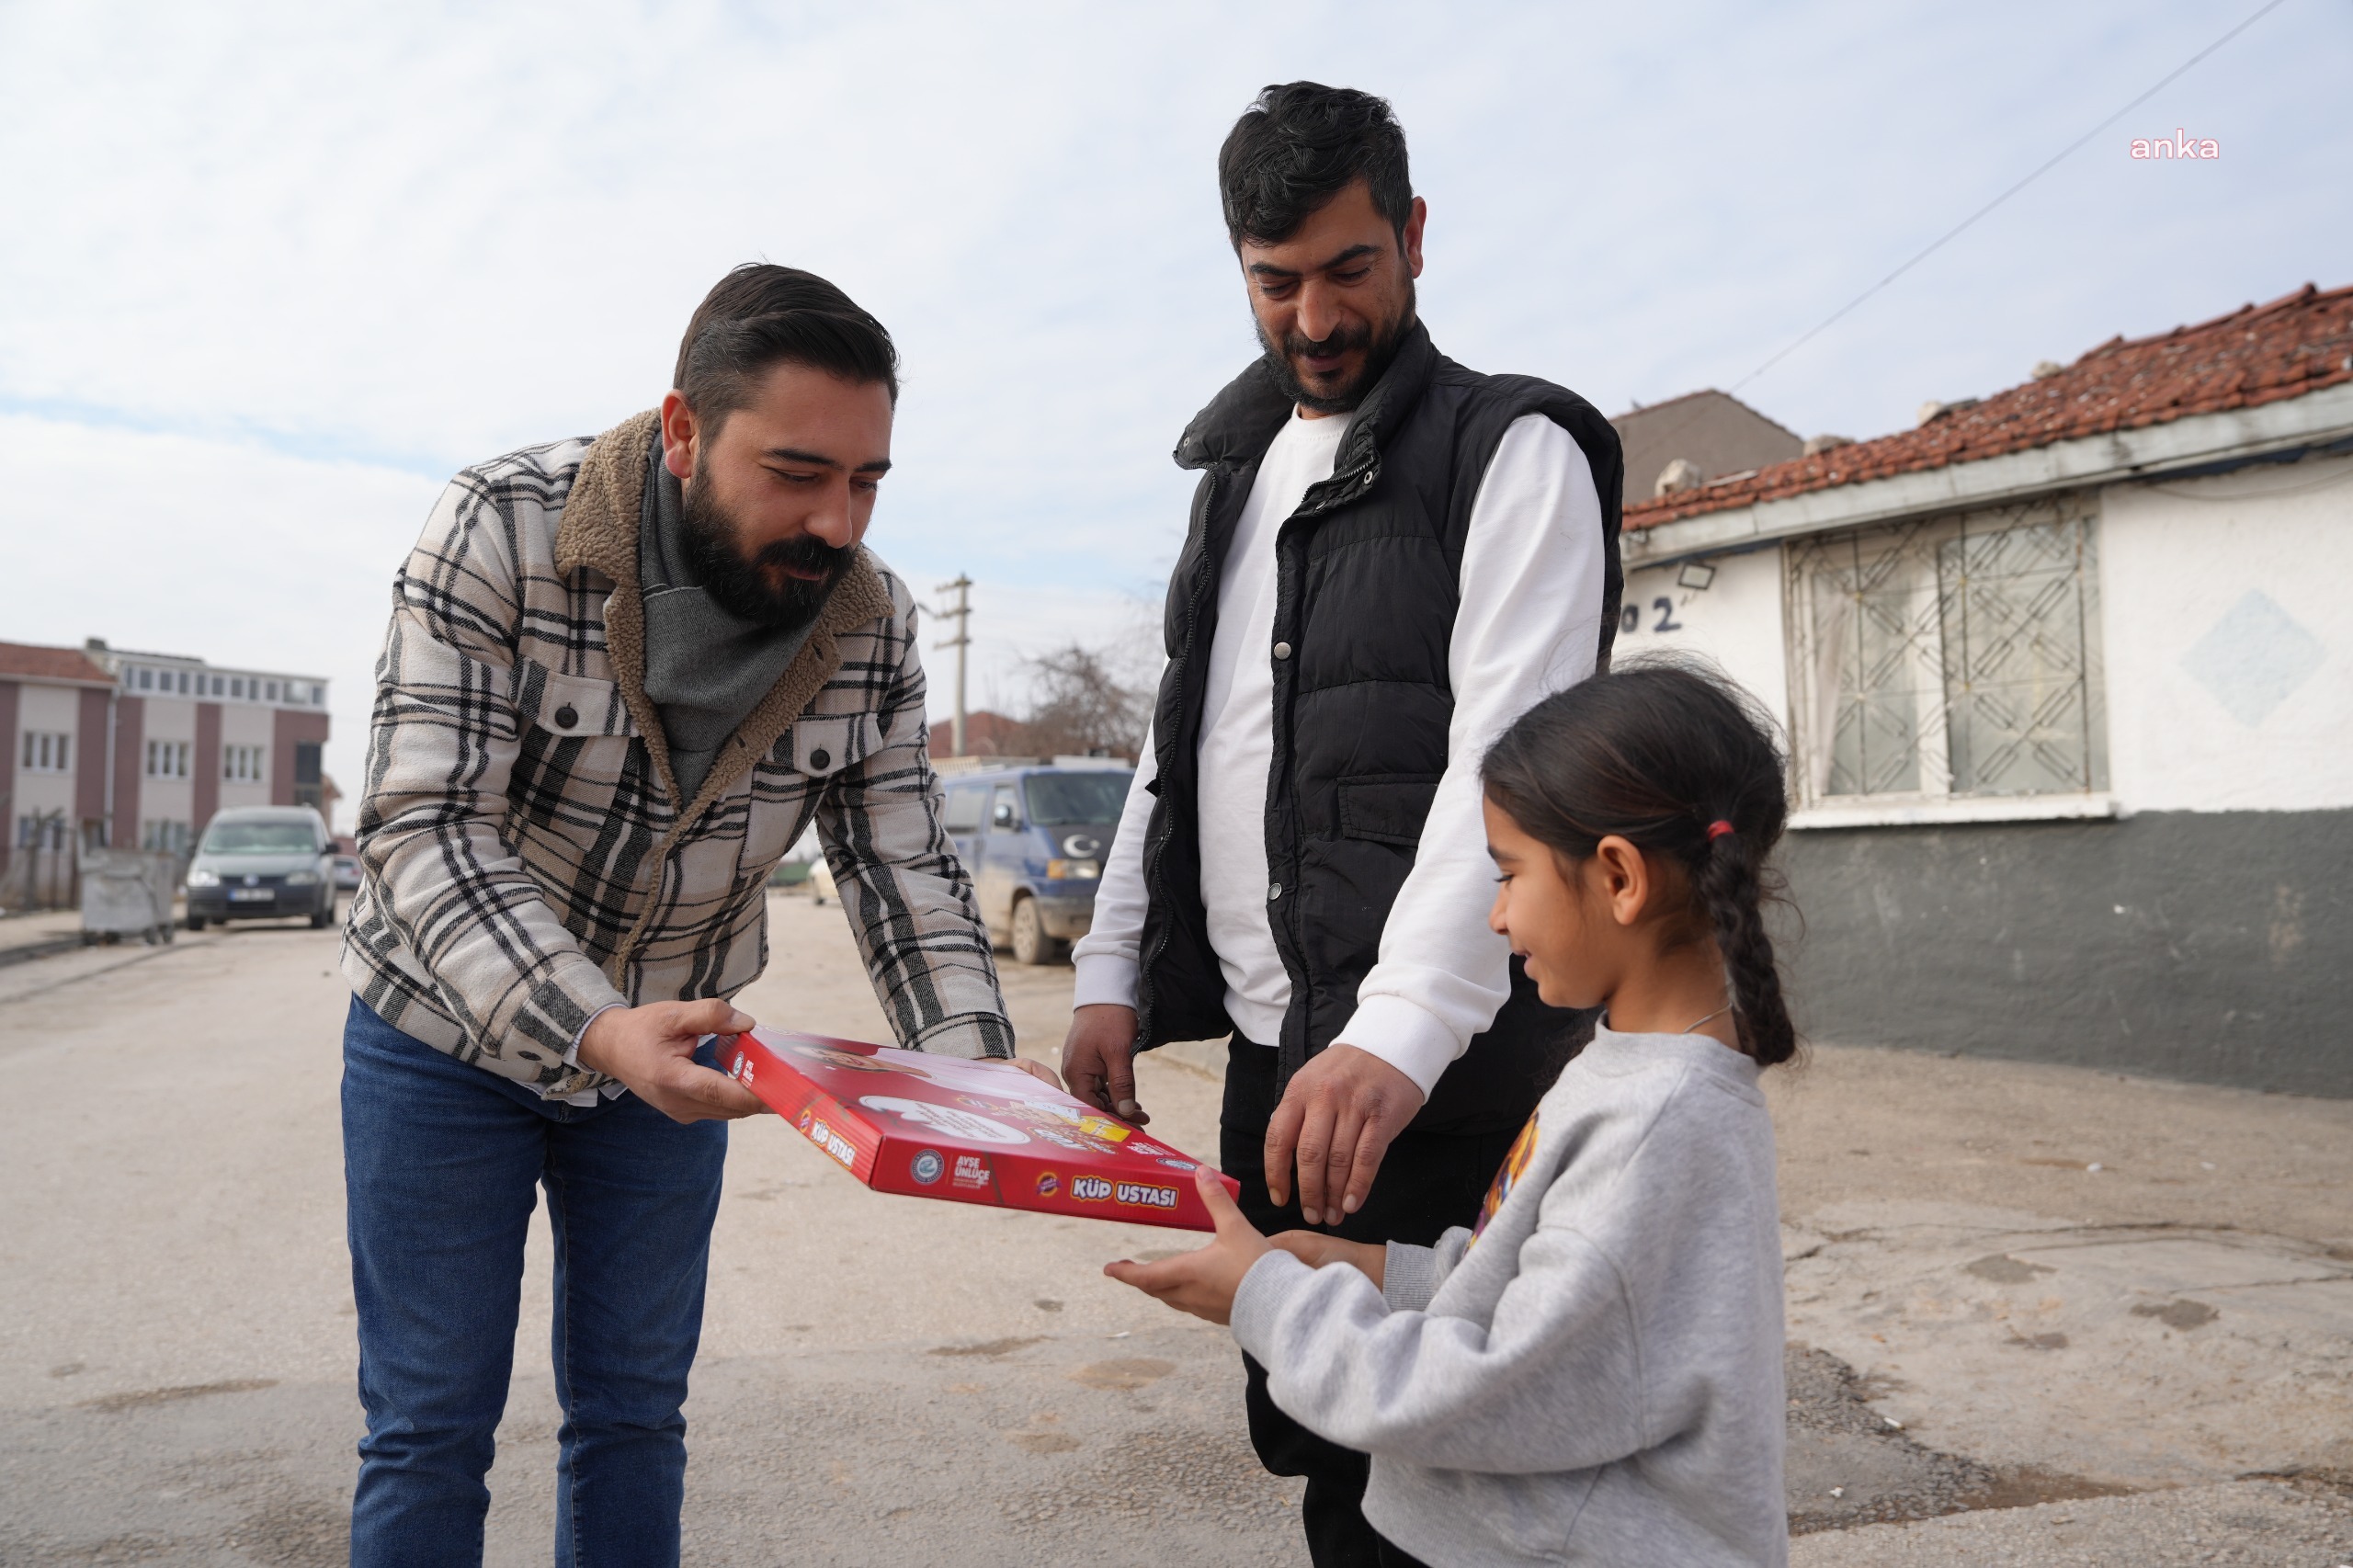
<point x="47" y="752"/>
<point x="318" y="696"/>
<point x="242" y="765"/>
<point x="1954" y="657"/>
<point x="167" y="759"/>
<point x="144" y="679"/>
<point x="307" y="775"/>
<point x="273" y="691"/>
<point x="35" y="831"/>
<point x="160" y="835"/>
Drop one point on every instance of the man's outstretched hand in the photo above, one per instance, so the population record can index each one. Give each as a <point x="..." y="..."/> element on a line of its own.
<point x="1337" y="1119"/>
<point x="651" y="1048"/>
<point x="1099" y="1059"/>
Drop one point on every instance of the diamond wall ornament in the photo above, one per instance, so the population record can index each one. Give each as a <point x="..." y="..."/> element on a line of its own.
<point x="2253" y="658"/>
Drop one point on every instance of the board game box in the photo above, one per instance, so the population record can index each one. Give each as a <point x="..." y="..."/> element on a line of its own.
<point x="928" y="1126"/>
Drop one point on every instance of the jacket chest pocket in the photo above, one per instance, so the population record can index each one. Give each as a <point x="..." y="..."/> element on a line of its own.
<point x="1387" y="808"/>
<point x="804" y="759"/>
<point x="820" y="745"/>
<point x="576" y="738"/>
<point x="569" y="707"/>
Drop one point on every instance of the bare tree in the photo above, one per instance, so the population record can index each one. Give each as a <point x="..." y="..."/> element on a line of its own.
<point x="1079" y="704"/>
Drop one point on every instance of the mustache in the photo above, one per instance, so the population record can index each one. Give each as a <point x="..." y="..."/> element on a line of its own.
<point x="806" y="553"/>
<point x="1344" y="340"/>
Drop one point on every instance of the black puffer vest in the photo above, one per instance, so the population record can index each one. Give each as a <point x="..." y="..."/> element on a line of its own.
<point x="1367" y="589"/>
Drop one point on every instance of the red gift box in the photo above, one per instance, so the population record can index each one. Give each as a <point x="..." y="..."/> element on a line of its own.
<point x="968" y="1132"/>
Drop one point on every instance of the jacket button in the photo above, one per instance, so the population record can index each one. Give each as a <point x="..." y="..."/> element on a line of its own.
<point x="1274" y="892"/>
<point x="565" y="716"/>
<point x="1282" y="650"/>
<point x="821" y="760"/>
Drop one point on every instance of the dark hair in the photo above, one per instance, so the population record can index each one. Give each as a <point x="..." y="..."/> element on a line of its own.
<point x="1661" y="754"/>
<point x="1299" y="145"/>
<point x="761" y="315"/>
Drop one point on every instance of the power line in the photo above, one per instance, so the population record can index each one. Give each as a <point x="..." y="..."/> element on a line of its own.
<point x="2046" y="167"/>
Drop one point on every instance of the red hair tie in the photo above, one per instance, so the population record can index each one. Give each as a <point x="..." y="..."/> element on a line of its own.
<point x="1718" y="829"/>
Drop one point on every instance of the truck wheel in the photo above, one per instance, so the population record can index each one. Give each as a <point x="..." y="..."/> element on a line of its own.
<point x="1030" y="943"/>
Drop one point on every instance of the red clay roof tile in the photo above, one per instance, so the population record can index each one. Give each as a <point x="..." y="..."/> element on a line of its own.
<point x="25" y="661"/>
<point x="2258" y="354"/>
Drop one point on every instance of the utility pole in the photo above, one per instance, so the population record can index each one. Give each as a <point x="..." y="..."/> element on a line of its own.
<point x="962" y="641"/>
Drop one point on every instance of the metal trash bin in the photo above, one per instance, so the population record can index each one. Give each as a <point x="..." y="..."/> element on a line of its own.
<point x="128" y="893"/>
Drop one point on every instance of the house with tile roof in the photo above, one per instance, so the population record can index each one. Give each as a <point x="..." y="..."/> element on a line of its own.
<point x="2067" y="679"/>
<point x="1709" y="433"/>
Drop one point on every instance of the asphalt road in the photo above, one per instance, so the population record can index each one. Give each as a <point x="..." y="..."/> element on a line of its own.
<point x="2149" y="1362"/>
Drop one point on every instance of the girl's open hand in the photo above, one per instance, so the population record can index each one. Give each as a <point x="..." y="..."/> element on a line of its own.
<point x="1315" y="1249"/>
<point x="1202" y="1282"/>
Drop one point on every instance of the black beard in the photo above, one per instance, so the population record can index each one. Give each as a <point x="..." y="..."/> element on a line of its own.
<point x="1382" y="348"/>
<point x="740" y="583"/>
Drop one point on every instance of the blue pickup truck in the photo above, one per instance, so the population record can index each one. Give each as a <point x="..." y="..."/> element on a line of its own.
<point x="1034" y="840"/>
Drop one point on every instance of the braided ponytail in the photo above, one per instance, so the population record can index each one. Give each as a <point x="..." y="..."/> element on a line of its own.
<point x="1681" y="764"/>
<point x="1732" y="887"/>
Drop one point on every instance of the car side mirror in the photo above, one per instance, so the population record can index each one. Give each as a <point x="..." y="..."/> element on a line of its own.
<point x="1004" y="817"/>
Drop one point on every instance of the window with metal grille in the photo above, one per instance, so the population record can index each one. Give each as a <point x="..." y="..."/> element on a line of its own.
<point x="1959" y="656"/>
<point x="242" y="765"/>
<point x="167" y="759"/>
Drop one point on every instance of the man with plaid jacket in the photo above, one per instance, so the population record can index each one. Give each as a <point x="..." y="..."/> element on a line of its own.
<point x="622" y="676"/>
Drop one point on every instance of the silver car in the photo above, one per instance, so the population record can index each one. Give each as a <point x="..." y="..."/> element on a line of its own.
<point x="262" y="863"/>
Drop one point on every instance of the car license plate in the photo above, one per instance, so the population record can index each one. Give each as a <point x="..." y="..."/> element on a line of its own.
<point x="252" y="895"/>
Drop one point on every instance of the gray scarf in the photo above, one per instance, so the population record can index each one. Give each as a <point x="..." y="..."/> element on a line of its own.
<point x="706" y="669"/>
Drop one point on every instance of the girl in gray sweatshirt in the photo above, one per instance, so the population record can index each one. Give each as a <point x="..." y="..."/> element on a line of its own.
<point x="1590" y="1371"/>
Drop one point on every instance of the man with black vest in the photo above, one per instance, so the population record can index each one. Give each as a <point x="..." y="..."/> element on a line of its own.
<point x="1389" y="558"/>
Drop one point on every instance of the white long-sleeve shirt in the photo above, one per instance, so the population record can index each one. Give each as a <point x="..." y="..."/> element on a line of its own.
<point x="1526" y="625"/>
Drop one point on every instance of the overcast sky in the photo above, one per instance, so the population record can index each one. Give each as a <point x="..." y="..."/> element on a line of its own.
<point x="268" y="275"/>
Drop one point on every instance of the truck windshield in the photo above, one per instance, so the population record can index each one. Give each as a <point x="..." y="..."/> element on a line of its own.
<point x="260" y="838"/>
<point x="1057" y="800"/>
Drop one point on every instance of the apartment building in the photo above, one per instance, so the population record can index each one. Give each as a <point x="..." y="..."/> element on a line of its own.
<point x="115" y="746"/>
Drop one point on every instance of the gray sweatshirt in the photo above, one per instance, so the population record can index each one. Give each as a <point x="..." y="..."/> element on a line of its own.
<point x="1594" y="1374"/>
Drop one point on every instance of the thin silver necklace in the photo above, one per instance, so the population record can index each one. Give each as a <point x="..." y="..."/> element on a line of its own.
<point x="1694" y="1028"/>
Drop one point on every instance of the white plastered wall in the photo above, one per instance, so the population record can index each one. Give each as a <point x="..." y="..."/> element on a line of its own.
<point x="167" y="800"/>
<point x="50" y="710"/>
<point x="247" y="725"/>
<point x="2229" y="636"/>
<point x="1734" y="623"/>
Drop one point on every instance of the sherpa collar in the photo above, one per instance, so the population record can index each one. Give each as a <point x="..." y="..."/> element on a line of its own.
<point x="599" y="532"/>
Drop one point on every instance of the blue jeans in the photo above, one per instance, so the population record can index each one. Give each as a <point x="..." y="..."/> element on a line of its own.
<point x="441" y="1161"/>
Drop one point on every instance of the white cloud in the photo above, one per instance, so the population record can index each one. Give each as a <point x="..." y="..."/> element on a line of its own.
<point x="180" y="545"/>
<point x="341" y="251"/>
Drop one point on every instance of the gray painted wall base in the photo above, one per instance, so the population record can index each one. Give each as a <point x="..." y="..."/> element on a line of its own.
<point x="2215" y="947"/>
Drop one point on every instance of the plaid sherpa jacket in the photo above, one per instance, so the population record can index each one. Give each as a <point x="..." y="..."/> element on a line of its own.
<point x="525" y="859"/>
